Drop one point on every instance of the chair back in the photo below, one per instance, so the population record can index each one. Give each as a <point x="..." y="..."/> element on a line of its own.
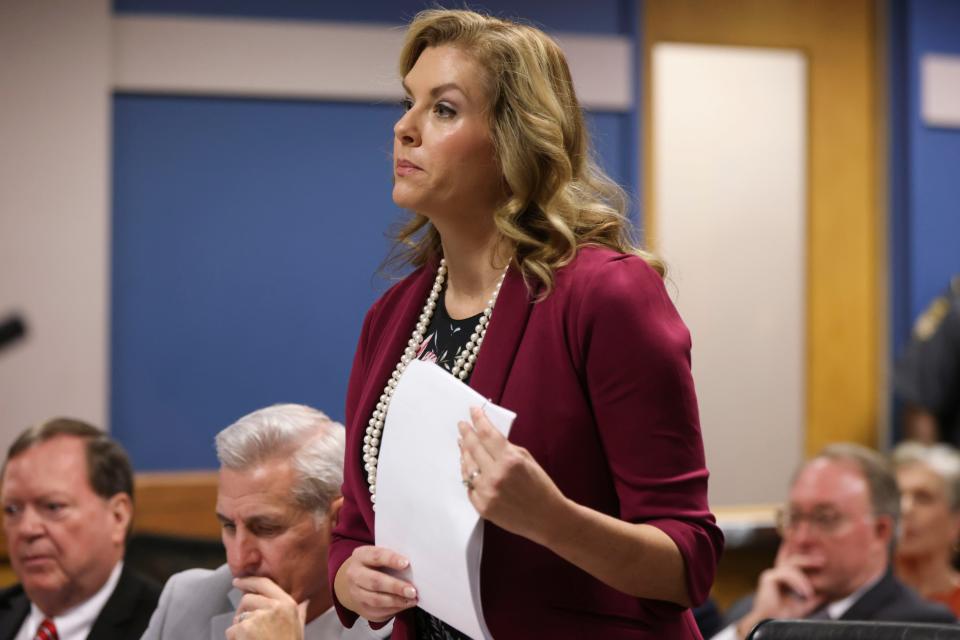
<point x="159" y="556"/>
<point x="849" y="630"/>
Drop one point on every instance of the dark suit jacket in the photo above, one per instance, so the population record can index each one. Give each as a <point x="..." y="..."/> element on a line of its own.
<point x="887" y="601"/>
<point x="124" y="617"/>
<point x="928" y="372"/>
<point x="599" y="376"/>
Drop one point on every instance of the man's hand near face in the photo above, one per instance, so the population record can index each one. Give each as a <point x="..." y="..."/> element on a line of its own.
<point x="784" y="591"/>
<point x="266" y="612"/>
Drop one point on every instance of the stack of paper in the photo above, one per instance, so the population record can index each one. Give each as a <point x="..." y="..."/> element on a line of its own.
<point x="423" y="511"/>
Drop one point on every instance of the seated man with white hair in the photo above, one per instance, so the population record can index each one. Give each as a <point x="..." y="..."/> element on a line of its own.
<point x="278" y="498"/>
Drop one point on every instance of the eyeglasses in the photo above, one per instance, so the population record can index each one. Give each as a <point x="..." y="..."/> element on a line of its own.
<point x="822" y="520"/>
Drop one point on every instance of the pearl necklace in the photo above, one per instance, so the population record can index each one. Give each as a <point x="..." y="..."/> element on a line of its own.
<point x="461" y="369"/>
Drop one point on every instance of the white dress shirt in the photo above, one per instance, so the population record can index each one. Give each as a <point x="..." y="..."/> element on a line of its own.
<point x="76" y="623"/>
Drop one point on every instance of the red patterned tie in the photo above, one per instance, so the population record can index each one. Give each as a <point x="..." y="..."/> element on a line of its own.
<point x="46" y="631"/>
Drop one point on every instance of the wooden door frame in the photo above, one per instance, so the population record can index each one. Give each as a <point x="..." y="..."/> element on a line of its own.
<point x="846" y="226"/>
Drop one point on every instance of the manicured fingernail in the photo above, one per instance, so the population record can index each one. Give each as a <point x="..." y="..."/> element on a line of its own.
<point x="402" y="563"/>
<point x="410" y="592"/>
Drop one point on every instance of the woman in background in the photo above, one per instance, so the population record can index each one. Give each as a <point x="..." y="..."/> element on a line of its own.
<point x="929" y="480"/>
<point x="528" y="287"/>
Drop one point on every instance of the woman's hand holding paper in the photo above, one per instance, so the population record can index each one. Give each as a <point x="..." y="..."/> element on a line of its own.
<point x="364" y="586"/>
<point x="505" y="484"/>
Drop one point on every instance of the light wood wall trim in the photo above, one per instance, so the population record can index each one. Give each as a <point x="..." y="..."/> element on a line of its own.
<point x="844" y="306"/>
<point x="177" y="503"/>
<point x="760" y="515"/>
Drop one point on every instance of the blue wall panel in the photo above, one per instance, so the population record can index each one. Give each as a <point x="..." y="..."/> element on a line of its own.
<point x="246" y="240"/>
<point x="612" y="135"/>
<point x="934" y="154"/>
<point x="898" y="170"/>
<point x="246" y="237"/>
<point x="923" y="186"/>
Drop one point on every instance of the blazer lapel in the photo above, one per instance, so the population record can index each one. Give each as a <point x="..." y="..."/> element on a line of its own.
<point x="219" y="625"/>
<point x="504" y="333"/>
<point x="13" y="611"/>
<point x="118" y="609"/>
<point x="872" y="599"/>
<point x="221" y="622"/>
<point x="390" y="344"/>
<point x="493" y="364"/>
<point x="387" y="348"/>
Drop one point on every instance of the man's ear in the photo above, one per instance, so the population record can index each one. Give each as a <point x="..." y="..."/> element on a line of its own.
<point x="886" y="529"/>
<point x="333" y="511"/>
<point x="120" y="507"/>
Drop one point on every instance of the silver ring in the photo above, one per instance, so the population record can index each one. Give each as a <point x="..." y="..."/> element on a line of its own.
<point x="468" y="481"/>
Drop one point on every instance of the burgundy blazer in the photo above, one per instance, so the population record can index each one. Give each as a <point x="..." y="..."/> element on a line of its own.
<point x="599" y="376"/>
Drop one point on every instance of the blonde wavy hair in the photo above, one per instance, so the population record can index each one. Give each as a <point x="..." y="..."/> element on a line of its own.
<point x="559" y="198"/>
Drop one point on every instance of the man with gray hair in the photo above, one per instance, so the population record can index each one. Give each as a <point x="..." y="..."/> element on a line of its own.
<point x="838" y="529"/>
<point x="278" y="498"/>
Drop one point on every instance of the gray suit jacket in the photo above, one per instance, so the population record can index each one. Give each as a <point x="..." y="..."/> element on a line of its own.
<point x="198" y="604"/>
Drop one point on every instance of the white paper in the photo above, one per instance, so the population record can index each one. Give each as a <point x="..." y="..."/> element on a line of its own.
<point x="422" y="508"/>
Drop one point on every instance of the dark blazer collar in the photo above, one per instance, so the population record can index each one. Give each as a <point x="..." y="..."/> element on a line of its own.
<point x="873" y="599"/>
<point x="124" y="603"/>
<point x="14" y="607"/>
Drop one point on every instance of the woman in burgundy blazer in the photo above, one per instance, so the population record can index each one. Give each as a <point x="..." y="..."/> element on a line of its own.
<point x="596" y="516"/>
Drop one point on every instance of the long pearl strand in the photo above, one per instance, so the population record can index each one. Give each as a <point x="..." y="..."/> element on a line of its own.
<point x="461" y="369"/>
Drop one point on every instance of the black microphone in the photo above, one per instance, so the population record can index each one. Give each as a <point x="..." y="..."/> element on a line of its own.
<point x="12" y="329"/>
